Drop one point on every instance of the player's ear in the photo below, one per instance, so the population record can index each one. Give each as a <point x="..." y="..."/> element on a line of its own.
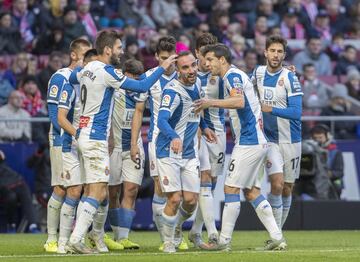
<point x="157" y="57"/>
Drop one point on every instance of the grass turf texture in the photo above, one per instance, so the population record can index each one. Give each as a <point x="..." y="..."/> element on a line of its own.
<point x="303" y="246"/>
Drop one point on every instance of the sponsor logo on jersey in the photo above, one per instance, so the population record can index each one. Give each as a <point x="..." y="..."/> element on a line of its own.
<point x="64" y="96"/>
<point x="53" y="91"/>
<point x="268" y="94"/>
<point x="84" y="121"/>
<point x="166" y="100"/>
<point x="213" y="80"/>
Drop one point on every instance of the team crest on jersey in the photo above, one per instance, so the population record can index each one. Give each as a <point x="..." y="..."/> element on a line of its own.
<point x="268" y="164"/>
<point x="166" y="100"/>
<point x="166" y="181"/>
<point x="213" y="80"/>
<point x="53" y="91"/>
<point x="64" y="96"/>
<point x="67" y="175"/>
<point x="202" y="93"/>
<point x="107" y="171"/>
<point x="281" y="82"/>
<point x="268" y="94"/>
<point x="152" y="165"/>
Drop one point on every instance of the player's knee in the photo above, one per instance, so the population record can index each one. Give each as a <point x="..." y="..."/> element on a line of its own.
<point x="174" y="199"/>
<point x="277" y="186"/>
<point x="191" y="201"/>
<point x="288" y="188"/>
<point x="59" y="191"/>
<point x="74" y="192"/>
<point x="206" y="176"/>
<point x="131" y="192"/>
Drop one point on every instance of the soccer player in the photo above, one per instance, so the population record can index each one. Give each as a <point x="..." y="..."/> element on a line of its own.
<point x="98" y="81"/>
<point x="164" y="49"/>
<point x="177" y="145"/>
<point x="122" y="169"/>
<point x="281" y="98"/>
<point x="211" y="155"/>
<point x="68" y="119"/>
<point x="248" y="156"/>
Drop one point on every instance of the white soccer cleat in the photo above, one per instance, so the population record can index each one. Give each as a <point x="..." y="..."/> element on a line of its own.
<point x="98" y="242"/>
<point x="169" y="247"/>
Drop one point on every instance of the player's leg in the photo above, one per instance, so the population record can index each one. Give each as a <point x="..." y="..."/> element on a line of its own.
<point x="286" y="199"/>
<point x="55" y="201"/>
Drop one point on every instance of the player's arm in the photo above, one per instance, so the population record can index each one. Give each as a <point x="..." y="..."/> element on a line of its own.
<point x="209" y="134"/>
<point x="74" y="78"/>
<point x="135" y="129"/>
<point x="53" y="95"/>
<point x="66" y="98"/>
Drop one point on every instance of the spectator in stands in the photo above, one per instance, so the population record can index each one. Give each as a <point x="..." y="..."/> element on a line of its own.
<point x="54" y="64"/>
<point x="314" y="54"/>
<point x="260" y="28"/>
<point x="18" y="70"/>
<point x="322" y="27"/>
<point x="73" y="28"/>
<point x="233" y="28"/>
<point x="339" y="22"/>
<point x="130" y="10"/>
<point x="264" y="8"/>
<point x="315" y="91"/>
<point x="189" y="17"/>
<point x="14" y="191"/>
<point x="219" y="24"/>
<point x="132" y="50"/>
<point x="175" y="27"/>
<point x="336" y="47"/>
<point x="164" y="11"/>
<point x="10" y="37"/>
<point x="201" y="28"/>
<point x="353" y="83"/>
<point x="347" y="61"/>
<point x="43" y="17"/>
<point x="5" y="89"/>
<point x="148" y="52"/>
<point x="311" y="8"/>
<point x="335" y="161"/>
<point x="14" y="130"/>
<point x="259" y="46"/>
<point x="83" y="12"/>
<point x="186" y="40"/>
<point x="32" y="102"/>
<point x="297" y="7"/>
<point x="24" y="20"/>
<point x="251" y="61"/>
<point x="290" y="27"/>
<point x="49" y="41"/>
<point x="340" y="106"/>
<point x="238" y="46"/>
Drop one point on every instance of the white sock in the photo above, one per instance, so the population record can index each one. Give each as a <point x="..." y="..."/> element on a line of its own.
<point x="114" y="219"/>
<point x="286" y="208"/>
<point x="168" y="224"/>
<point x="53" y="216"/>
<point x="198" y="222"/>
<point x="85" y="219"/>
<point x="100" y="218"/>
<point x="79" y="207"/>
<point x="230" y="214"/>
<point x="158" y="204"/>
<point x="67" y="215"/>
<point x="206" y="202"/>
<point x="265" y="214"/>
<point x="277" y="207"/>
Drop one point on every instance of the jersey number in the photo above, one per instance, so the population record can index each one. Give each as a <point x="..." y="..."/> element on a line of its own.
<point x="232" y="165"/>
<point x="138" y="163"/>
<point x="295" y="162"/>
<point x="83" y="95"/>
<point x="221" y="158"/>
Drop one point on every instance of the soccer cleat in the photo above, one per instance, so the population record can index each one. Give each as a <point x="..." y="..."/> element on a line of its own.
<point x="161" y="247"/>
<point x="169" y="247"/>
<point x="196" y="239"/>
<point x="128" y="244"/>
<point x="274" y="245"/>
<point x="98" y="242"/>
<point x="213" y="239"/>
<point x="112" y="244"/>
<point x="179" y="240"/>
<point x="78" y="248"/>
<point x="226" y="247"/>
<point x="61" y="248"/>
<point x="183" y="245"/>
<point x="51" y="246"/>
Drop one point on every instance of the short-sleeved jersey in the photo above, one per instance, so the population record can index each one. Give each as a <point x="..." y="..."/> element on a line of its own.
<point x="178" y="100"/>
<point x="212" y="87"/>
<point x="98" y="82"/>
<point x="274" y="90"/>
<point x="246" y="122"/>
<point x="55" y="85"/>
<point x="69" y="99"/>
<point x="154" y="98"/>
<point x="124" y="108"/>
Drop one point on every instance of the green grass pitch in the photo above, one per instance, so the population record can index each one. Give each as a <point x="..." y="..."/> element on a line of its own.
<point x="303" y="246"/>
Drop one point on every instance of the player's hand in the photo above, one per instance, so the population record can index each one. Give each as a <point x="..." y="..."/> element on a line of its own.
<point x="292" y="68"/>
<point x="210" y="135"/>
<point x="168" y="62"/>
<point x="176" y="145"/>
<point x="201" y="104"/>
<point x="266" y="108"/>
<point x="134" y="153"/>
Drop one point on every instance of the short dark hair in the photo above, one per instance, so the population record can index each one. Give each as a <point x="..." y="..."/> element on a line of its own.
<point x="250" y="51"/>
<point x="90" y="53"/>
<point x="167" y="44"/>
<point x="205" y="39"/>
<point x="276" y="39"/>
<point x="348" y="47"/>
<point x="106" y="38"/>
<point x="312" y="37"/>
<point x="219" y="51"/>
<point x="54" y="54"/>
<point x="75" y="44"/>
<point x="320" y="129"/>
<point x="305" y="66"/>
<point x="133" y="66"/>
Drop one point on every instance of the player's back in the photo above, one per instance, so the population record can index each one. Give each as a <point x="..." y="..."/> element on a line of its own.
<point x="274" y="90"/>
<point x="246" y="122"/>
<point x="212" y="87"/>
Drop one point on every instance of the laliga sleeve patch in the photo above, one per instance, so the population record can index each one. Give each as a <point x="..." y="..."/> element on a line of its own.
<point x="236" y="92"/>
<point x="53" y="91"/>
<point x="166" y="100"/>
<point x="64" y="96"/>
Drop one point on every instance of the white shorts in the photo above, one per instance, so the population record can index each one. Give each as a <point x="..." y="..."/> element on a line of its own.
<point x="95" y="155"/>
<point x="56" y="165"/>
<point x="246" y="166"/>
<point x="122" y="168"/>
<point x="179" y="174"/>
<point x="284" y="158"/>
<point x="212" y="156"/>
<point x="152" y="159"/>
<point x="73" y="170"/>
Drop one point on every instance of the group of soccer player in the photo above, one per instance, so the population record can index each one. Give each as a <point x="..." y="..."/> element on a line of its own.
<point x="96" y="151"/>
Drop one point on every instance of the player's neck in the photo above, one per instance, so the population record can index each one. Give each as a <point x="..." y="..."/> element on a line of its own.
<point x="103" y="59"/>
<point x="273" y="70"/>
<point x="224" y="70"/>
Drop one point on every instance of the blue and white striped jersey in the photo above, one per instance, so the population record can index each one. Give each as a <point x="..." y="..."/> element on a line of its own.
<point x="178" y="100"/>
<point x="246" y="122"/>
<point x="55" y="85"/>
<point x="69" y="99"/>
<point x="212" y="87"/>
<point x="275" y="90"/>
<point x="154" y="98"/>
<point x="123" y="113"/>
